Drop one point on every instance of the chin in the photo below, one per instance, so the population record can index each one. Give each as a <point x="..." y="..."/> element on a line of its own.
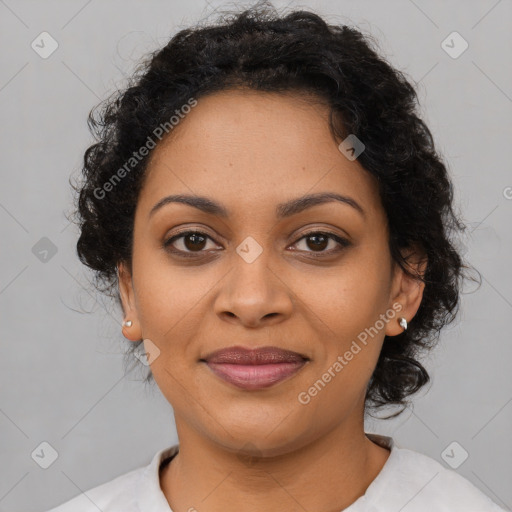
<point x="262" y="436"/>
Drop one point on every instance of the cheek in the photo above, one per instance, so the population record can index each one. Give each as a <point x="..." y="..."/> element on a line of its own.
<point x="351" y="296"/>
<point x="166" y="295"/>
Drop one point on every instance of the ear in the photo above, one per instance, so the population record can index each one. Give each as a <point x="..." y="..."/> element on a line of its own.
<point x="407" y="291"/>
<point x="134" y="332"/>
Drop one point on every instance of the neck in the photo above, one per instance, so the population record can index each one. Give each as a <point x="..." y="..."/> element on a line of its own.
<point x="327" y="474"/>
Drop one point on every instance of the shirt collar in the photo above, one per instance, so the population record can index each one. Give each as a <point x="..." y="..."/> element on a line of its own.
<point x="148" y="493"/>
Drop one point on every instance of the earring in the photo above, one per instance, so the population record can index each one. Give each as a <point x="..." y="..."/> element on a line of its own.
<point x="128" y="323"/>
<point x="403" y="323"/>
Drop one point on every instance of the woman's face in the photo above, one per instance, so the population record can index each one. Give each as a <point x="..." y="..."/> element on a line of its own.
<point x="253" y="279"/>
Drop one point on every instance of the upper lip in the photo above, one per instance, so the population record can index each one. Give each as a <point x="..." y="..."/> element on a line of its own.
<point x="263" y="355"/>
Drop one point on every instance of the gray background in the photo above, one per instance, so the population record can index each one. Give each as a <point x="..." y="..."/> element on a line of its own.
<point x="61" y="372"/>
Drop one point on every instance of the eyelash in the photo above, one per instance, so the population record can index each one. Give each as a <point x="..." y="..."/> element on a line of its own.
<point x="343" y="242"/>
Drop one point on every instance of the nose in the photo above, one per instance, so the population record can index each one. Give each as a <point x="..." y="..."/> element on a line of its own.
<point x="254" y="294"/>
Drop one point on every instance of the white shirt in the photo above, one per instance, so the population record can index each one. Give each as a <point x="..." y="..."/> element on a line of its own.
<point x="408" y="482"/>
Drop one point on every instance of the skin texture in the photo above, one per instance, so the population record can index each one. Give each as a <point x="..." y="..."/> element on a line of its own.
<point x="263" y="450"/>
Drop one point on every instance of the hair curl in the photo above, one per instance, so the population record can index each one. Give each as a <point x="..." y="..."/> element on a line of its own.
<point x="297" y="52"/>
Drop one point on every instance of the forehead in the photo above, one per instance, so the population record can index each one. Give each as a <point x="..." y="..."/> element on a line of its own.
<point x="248" y="149"/>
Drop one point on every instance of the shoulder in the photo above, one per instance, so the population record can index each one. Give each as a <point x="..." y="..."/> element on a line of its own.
<point x="113" y="496"/>
<point x="130" y="492"/>
<point x="418" y="483"/>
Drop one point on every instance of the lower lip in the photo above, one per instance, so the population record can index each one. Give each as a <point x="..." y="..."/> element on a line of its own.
<point x="255" y="376"/>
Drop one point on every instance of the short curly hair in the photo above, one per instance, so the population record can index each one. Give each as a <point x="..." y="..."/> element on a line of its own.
<point x="297" y="52"/>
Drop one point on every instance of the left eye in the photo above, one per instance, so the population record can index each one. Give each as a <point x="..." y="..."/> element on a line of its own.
<point x="319" y="240"/>
<point x="196" y="242"/>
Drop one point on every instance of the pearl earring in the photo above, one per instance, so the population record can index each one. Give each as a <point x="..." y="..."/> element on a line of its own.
<point x="128" y="323"/>
<point x="403" y="323"/>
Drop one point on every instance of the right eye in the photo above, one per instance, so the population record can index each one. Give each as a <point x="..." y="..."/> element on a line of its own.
<point x="189" y="242"/>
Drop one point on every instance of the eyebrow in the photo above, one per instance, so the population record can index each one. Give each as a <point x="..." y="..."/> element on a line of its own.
<point x="283" y="210"/>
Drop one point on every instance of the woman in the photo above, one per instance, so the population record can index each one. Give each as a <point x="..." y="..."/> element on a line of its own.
<point x="275" y="222"/>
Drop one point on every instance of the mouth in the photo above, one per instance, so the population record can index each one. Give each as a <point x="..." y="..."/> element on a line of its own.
<point x="253" y="369"/>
